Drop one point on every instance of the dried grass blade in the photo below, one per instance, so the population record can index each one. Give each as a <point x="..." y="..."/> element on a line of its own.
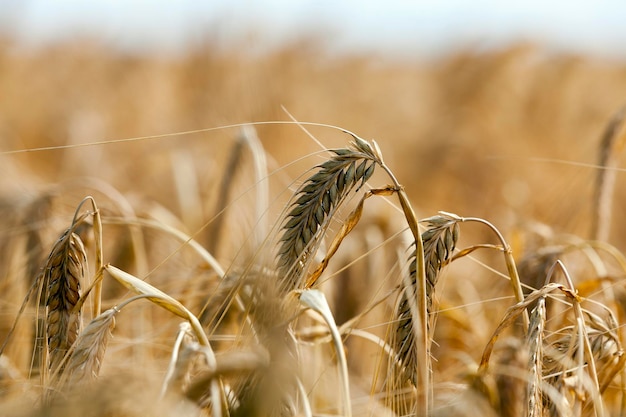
<point x="161" y="299"/>
<point x="152" y="293"/>
<point x="180" y="359"/>
<point x="316" y="300"/>
<point x="97" y="232"/>
<point x="249" y="135"/>
<point x="225" y="187"/>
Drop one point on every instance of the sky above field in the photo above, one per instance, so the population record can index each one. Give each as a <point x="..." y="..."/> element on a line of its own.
<point x="394" y="26"/>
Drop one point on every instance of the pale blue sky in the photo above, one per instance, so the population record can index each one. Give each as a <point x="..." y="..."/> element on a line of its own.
<point x="416" y="27"/>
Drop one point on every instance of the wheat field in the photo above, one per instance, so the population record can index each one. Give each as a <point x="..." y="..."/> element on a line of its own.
<point x="228" y="234"/>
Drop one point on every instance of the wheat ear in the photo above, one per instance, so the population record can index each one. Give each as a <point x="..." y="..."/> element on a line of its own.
<point x="606" y="346"/>
<point x="439" y="241"/>
<point x="534" y="342"/>
<point x="63" y="273"/>
<point x="87" y="353"/>
<point x="315" y="204"/>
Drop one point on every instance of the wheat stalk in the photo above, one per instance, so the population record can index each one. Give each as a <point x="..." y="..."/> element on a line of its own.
<point x="315" y="204"/>
<point x="612" y="141"/>
<point x="585" y="352"/>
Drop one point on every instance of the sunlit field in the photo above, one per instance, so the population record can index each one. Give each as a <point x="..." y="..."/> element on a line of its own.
<point x="300" y="233"/>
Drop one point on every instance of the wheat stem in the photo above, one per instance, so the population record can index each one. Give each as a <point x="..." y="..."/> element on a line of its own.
<point x="598" y="402"/>
<point x="612" y="141"/>
<point x="422" y="347"/>
<point x="516" y="283"/>
<point x="97" y="231"/>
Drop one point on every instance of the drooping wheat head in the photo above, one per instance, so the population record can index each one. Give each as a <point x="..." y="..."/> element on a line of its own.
<point x="315" y="204"/>
<point x="439" y="242"/>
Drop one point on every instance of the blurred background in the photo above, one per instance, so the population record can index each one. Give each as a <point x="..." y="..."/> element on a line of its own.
<point x="481" y="108"/>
